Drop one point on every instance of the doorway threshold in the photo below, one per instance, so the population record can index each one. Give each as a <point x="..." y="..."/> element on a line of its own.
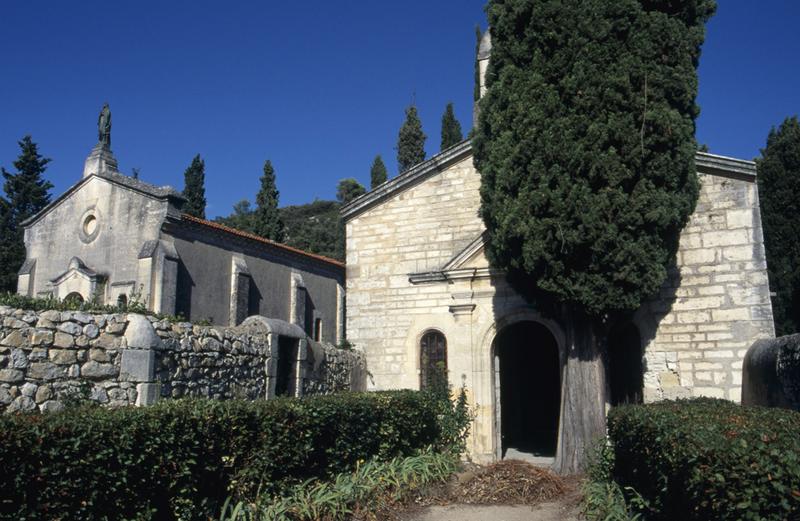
<point x="529" y="457"/>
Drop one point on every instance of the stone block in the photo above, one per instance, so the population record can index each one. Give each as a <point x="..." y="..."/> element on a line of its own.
<point x="14" y="339"/>
<point x="28" y="389"/>
<point x="42" y="338"/>
<point x="99" y="355"/>
<point x="11" y="375"/>
<point x="46" y="371"/>
<point x="43" y="393"/>
<point x="70" y="328"/>
<point x="19" y="360"/>
<point x="91" y="331"/>
<point x="147" y="393"/>
<point x="106" y="341"/>
<point x="138" y="365"/>
<point x="63" y="356"/>
<point x="140" y="333"/>
<point x="97" y="371"/>
<point x="64" y="339"/>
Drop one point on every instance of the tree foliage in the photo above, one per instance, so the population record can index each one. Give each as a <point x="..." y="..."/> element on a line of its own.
<point x="779" y="194"/>
<point x="316" y="228"/>
<point x="476" y="88"/>
<point x="26" y="193"/>
<point x="194" y="188"/>
<point x="348" y="189"/>
<point x="377" y="174"/>
<point x="451" y="128"/>
<point x="266" y="218"/>
<point x="241" y="218"/>
<point x="410" y="141"/>
<point x="585" y="143"/>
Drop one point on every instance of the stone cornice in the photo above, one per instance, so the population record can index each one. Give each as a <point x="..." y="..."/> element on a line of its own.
<point x="706" y="163"/>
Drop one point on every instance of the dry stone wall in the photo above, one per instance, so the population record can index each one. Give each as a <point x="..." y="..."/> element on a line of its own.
<point x="51" y="357"/>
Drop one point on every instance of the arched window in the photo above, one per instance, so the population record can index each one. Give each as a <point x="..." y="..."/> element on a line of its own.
<point x="433" y="361"/>
<point x="122" y="302"/>
<point x="74" y="297"/>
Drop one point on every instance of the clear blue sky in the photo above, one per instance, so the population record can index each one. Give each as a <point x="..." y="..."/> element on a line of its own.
<point x="318" y="87"/>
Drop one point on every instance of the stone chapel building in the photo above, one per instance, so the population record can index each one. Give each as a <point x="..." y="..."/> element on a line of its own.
<point x="422" y="302"/>
<point x="111" y="237"/>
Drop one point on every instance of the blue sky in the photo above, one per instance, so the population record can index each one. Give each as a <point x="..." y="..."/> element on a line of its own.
<point x="317" y="87"/>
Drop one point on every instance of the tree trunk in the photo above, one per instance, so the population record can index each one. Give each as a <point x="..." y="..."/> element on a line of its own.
<point x="583" y="393"/>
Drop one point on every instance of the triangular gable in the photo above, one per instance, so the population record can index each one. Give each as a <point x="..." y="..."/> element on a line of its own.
<point x="469" y="263"/>
<point x="472" y="256"/>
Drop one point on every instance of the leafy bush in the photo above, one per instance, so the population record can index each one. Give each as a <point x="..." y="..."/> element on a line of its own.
<point x="709" y="459"/>
<point x="371" y="488"/>
<point x="181" y="459"/>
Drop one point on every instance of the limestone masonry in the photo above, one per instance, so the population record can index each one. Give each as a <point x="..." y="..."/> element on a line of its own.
<point x="125" y="359"/>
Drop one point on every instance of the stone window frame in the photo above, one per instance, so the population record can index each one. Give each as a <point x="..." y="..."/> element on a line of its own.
<point x="424" y="377"/>
<point x="92" y="212"/>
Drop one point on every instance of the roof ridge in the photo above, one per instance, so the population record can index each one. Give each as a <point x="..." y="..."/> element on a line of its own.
<point x="258" y="238"/>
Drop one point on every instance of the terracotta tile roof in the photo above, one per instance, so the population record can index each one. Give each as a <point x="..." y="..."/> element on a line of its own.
<point x="262" y="240"/>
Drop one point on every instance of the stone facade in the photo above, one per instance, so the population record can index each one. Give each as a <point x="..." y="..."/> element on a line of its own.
<point x="127" y="359"/>
<point x="415" y="264"/>
<point x="112" y="237"/>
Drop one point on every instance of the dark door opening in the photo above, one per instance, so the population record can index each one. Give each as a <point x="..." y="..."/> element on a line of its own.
<point x="530" y="389"/>
<point x="625" y="368"/>
<point x="287" y="355"/>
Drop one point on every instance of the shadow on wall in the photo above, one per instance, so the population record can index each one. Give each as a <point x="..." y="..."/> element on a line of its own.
<point x="771" y="373"/>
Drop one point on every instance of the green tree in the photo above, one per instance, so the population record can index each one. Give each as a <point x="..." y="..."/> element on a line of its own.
<point x="241" y="218"/>
<point x="349" y="189"/>
<point x="266" y="218"/>
<point x="779" y="194"/>
<point x="451" y="128"/>
<point x="316" y="228"/>
<point x="194" y="188"/>
<point x="26" y="193"/>
<point x="410" y="141"/>
<point x="585" y="144"/>
<point x="476" y="87"/>
<point x="377" y="174"/>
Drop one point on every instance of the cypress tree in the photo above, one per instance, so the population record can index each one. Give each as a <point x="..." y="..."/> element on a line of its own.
<point x="476" y="88"/>
<point x="410" y="141"/>
<point x="349" y="189"/>
<point x="26" y="193"/>
<point x="585" y="144"/>
<point x="779" y="195"/>
<point x="266" y="219"/>
<point x="194" y="188"/>
<point x="377" y="174"/>
<point x="451" y="128"/>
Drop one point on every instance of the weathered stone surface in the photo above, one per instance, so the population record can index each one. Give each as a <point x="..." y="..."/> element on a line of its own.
<point x="14" y="339"/>
<point x="37" y="354"/>
<point x="22" y="403"/>
<point x="91" y="331"/>
<point x="64" y="339"/>
<point x="140" y="333"/>
<point x="42" y="338"/>
<point x="96" y="370"/>
<point x="46" y="371"/>
<point x="28" y="389"/>
<point x="11" y="375"/>
<point x="50" y="315"/>
<point x="106" y="341"/>
<point x="99" y="355"/>
<point x="138" y="365"/>
<point x="147" y="393"/>
<point x="70" y="328"/>
<point x="115" y="328"/>
<point x="98" y="394"/>
<point x="52" y="406"/>
<point x="19" y="360"/>
<point x="43" y="393"/>
<point x="63" y="356"/>
<point x="5" y="396"/>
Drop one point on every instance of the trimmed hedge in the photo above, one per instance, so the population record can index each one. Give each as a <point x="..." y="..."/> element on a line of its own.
<point x="707" y="459"/>
<point x="181" y="459"/>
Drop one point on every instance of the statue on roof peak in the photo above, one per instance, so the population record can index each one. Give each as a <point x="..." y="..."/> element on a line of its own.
<point x="104" y="127"/>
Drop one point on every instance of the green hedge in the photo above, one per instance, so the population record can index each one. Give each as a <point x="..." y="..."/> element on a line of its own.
<point x="181" y="459"/>
<point x="709" y="459"/>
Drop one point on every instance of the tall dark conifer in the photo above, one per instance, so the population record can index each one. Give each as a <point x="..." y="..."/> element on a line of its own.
<point x="377" y="174"/>
<point x="410" y="141"/>
<point x="26" y="193"/>
<point x="266" y="218"/>
<point x="585" y="145"/>
<point x="779" y="195"/>
<point x="194" y="188"/>
<point x="451" y="128"/>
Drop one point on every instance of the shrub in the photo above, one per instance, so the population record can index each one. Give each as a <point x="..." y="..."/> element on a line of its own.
<point x="709" y="459"/>
<point x="181" y="459"/>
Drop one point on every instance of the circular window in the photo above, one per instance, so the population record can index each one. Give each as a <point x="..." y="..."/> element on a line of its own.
<point x="90" y="226"/>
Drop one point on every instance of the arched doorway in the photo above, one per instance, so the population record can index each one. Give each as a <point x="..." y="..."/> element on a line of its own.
<point x="529" y="390"/>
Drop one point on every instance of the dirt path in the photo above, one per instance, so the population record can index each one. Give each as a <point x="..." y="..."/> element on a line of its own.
<point x="551" y="511"/>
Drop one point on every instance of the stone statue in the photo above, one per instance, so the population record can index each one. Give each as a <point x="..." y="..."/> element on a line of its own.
<point x="104" y="127"/>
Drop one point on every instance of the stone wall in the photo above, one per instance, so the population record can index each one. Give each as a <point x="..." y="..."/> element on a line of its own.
<point x="715" y="303"/>
<point x="49" y="357"/>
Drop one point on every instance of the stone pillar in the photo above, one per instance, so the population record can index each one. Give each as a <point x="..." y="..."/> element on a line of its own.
<point x="100" y="161"/>
<point x="297" y="302"/>
<point x="271" y="365"/>
<point x="240" y="290"/>
<point x="139" y="359"/>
